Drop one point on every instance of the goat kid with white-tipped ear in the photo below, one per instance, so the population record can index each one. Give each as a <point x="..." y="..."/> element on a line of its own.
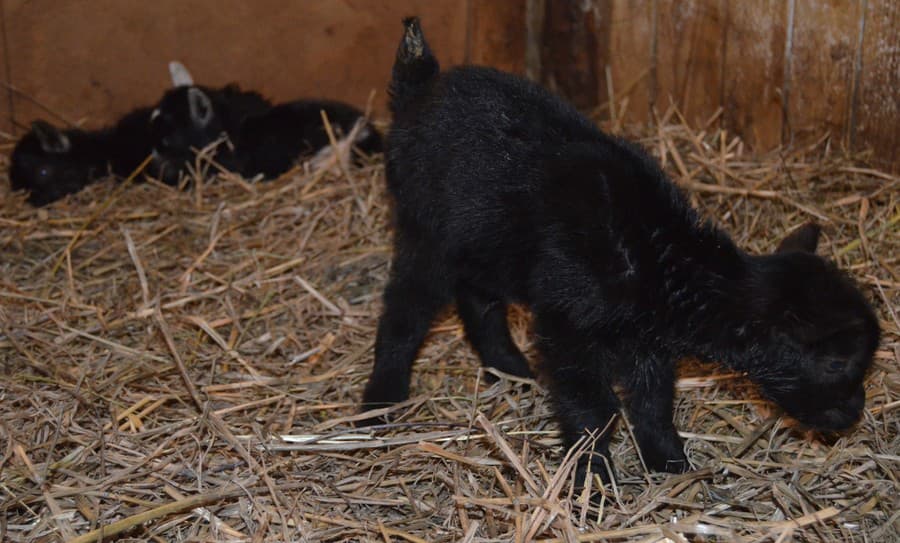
<point x="181" y="77"/>
<point x="49" y="162"/>
<point x="250" y="135"/>
<point x="52" y="140"/>
<point x="191" y="117"/>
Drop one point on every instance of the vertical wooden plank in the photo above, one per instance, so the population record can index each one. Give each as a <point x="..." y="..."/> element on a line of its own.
<point x="877" y="108"/>
<point x="570" y="57"/>
<point x="7" y="120"/>
<point x="497" y="34"/>
<point x="630" y="56"/>
<point x="754" y="70"/>
<point x="821" y="69"/>
<point x="534" y="37"/>
<point x="12" y="122"/>
<point x="690" y="38"/>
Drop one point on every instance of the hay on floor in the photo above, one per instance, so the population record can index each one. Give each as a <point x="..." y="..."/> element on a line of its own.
<point x="186" y="366"/>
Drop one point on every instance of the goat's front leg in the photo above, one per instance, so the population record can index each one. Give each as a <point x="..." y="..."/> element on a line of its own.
<point x="585" y="406"/>
<point x="650" y="389"/>
<point x="585" y="409"/>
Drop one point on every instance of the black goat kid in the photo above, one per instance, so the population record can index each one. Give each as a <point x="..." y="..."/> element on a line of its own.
<point x="261" y="138"/>
<point x="192" y="117"/>
<point x="50" y="163"/>
<point x="503" y="192"/>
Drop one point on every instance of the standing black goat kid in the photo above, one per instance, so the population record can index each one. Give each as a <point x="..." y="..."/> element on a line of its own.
<point x="50" y="163"/>
<point x="505" y="193"/>
<point x="261" y="138"/>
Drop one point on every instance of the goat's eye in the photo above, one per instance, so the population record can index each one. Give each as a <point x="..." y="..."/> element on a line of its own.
<point x="835" y="366"/>
<point x="43" y="171"/>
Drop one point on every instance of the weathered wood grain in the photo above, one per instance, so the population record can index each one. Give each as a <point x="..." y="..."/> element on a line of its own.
<point x="497" y="34"/>
<point x="569" y="61"/>
<point x="631" y="58"/>
<point x="876" y="121"/>
<point x="754" y="70"/>
<point x="825" y="39"/>
<point x="783" y="71"/>
<point x="689" y="57"/>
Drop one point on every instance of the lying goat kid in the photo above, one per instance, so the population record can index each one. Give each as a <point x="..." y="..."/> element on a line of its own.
<point x="261" y="138"/>
<point x="190" y="118"/>
<point x="503" y="192"/>
<point x="50" y="163"/>
<point x="272" y="143"/>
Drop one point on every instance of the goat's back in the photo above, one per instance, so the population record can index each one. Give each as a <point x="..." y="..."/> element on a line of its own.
<point x="487" y="167"/>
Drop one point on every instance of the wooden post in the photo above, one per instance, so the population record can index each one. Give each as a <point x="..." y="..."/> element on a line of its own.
<point x="575" y="39"/>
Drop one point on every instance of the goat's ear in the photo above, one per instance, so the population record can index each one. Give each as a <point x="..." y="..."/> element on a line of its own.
<point x="52" y="140"/>
<point x="181" y="77"/>
<point x="200" y="107"/>
<point x="804" y="240"/>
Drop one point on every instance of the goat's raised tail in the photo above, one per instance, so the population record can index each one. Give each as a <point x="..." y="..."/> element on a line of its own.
<point x="414" y="67"/>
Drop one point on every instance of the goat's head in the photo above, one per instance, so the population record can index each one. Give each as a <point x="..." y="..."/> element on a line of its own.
<point x="819" y="335"/>
<point x="184" y="122"/>
<point x="47" y="165"/>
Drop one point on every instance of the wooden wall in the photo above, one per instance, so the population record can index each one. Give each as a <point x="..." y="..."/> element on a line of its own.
<point x="92" y="60"/>
<point x="782" y="71"/>
<point x="89" y="61"/>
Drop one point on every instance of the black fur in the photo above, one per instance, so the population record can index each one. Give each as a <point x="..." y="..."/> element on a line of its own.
<point x="272" y="143"/>
<point x="504" y="193"/>
<point x="50" y="163"/>
<point x="191" y="117"/>
<point x="262" y="138"/>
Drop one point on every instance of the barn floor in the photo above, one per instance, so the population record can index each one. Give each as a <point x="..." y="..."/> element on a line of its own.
<point x="185" y="366"/>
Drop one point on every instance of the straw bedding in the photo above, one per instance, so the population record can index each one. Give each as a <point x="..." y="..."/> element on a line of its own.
<point x="185" y="366"/>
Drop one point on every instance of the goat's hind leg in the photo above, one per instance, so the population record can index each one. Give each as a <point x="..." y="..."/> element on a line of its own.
<point x="412" y="298"/>
<point x="487" y="329"/>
